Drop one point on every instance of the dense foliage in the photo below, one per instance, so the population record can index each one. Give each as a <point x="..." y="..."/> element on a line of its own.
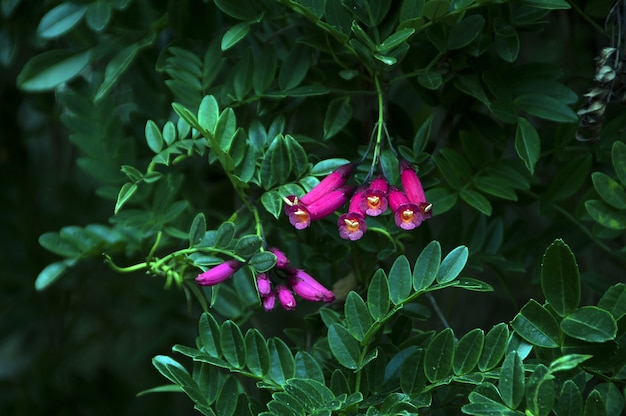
<point x="190" y="166"/>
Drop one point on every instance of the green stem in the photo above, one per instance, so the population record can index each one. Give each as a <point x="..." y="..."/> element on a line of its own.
<point x="380" y="124"/>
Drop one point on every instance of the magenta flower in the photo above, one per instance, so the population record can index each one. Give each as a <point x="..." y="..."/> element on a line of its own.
<point x="374" y="201"/>
<point x="331" y="182"/>
<point x="219" y="273"/>
<point x="330" y="203"/>
<point x="413" y="188"/>
<point x="281" y="259"/>
<point x="263" y="284"/>
<point x="269" y="301"/>
<point x="308" y="288"/>
<point x="352" y="225"/>
<point x="285" y="297"/>
<point x="406" y="215"/>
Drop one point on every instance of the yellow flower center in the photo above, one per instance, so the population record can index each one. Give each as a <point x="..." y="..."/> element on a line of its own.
<point x="351" y="225"/>
<point x="373" y="201"/>
<point x="302" y="215"/>
<point x="407" y="215"/>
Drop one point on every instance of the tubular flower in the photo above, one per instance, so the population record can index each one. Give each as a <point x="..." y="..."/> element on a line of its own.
<point x="407" y="215"/>
<point x="281" y="259"/>
<point x="352" y="225"/>
<point x="333" y="181"/>
<point x="413" y="188"/>
<point x="374" y="201"/>
<point x="219" y="273"/>
<point x="263" y="284"/>
<point x="269" y="301"/>
<point x="297" y="212"/>
<point x="285" y="297"/>
<point x="330" y="203"/>
<point x="308" y="288"/>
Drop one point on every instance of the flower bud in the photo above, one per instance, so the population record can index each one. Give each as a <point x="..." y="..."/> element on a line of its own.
<point x="285" y="297"/>
<point x="219" y="273"/>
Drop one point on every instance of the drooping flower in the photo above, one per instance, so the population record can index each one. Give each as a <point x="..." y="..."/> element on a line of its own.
<point x="352" y="225"/>
<point x="219" y="273"/>
<point x="406" y="215"/>
<point x="263" y="284"/>
<point x="330" y="203"/>
<point x="413" y="189"/>
<point x="334" y="180"/>
<point x="281" y="259"/>
<point x="269" y="301"/>
<point x="285" y="297"/>
<point x="374" y="201"/>
<point x="305" y="286"/>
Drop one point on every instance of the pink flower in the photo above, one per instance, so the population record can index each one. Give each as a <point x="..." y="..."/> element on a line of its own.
<point x="263" y="284"/>
<point x="308" y="288"/>
<point x="406" y="215"/>
<point x="333" y="181"/>
<point x="285" y="297"/>
<point x="219" y="273"/>
<point x="269" y="301"/>
<point x="413" y="188"/>
<point x="352" y="225"/>
<point x="281" y="259"/>
<point x="374" y="200"/>
<point x="331" y="202"/>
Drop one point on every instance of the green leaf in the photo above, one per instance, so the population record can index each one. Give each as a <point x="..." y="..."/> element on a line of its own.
<point x="594" y="405"/>
<point x="258" y="355"/>
<point x="540" y="392"/>
<point x="609" y="190"/>
<point x="412" y="377"/>
<point x="591" y="324"/>
<point x="476" y="200"/>
<point x="465" y="31"/>
<point x="439" y="355"/>
<point x="234" y="35"/>
<point x="442" y="199"/>
<point x="378" y="295"/>
<point x="613" y="399"/>
<point x="422" y="136"/>
<point x="546" y="107"/>
<point x="494" y="347"/>
<point x="225" y="234"/>
<point x="605" y="215"/>
<point x="50" y="274"/>
<point x="344" y="346"/>
<point x="98" y="15"/>
<point x="283" y="366"/>
<point x="468" y="351"/>
<point x="297" y="155"/>
<point x="527" y="143"/>
<point x="226" y="402"/>
<point x="272" y="202"/>
<point x="435" y="9"/>
<point x="618" y="156"/>
<point x="117" y="66"/>
<point x="50" y="69"/>
<point x="427" y="266"/>
<point x="60" y="20"/>
<point x="172" y="370"/>
<point x="248" y="245"/>
<point x="153" y="136"/>
<point x="547" y="4"/>
<point x="197" y="229"/>
<point x="307" y="367"/>
<point x="358" y="318"/>
<point x="225" y="129"/>
<point x="232" y="344"/>
<point x="507" y="47"/>
<point x="395" y="39"/>
<point x="209" y="332"/>
<point x="126" y="192"/>
<point x="262" y="261"/>
<point x="535" y="324"/>
<point x="495" y="186"/>
<point x="239" y="9"/>
<point x="511" y="383"/>
<point x="568" y="362"/>
<point x="614" y="300"/>
<point x="295" y="68"/>
<point x="338" y="114"/>
<point x="452" y="264"/>
<point x="400" y="280"/>
<point x="560" y="279"/>
<point x="208" y="114"/>
<point x="431" y="80"/>
<point x="55" y="243"/>
<point x="570" y="401"/>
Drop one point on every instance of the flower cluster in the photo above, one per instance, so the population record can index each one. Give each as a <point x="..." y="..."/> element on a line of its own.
<point x="409" y="205"/>
<point x="292" y="280"/>
<point x="288" y="281"/>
